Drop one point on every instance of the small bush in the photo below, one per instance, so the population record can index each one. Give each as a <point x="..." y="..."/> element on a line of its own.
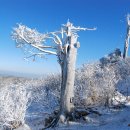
<point x="14" y="101"/>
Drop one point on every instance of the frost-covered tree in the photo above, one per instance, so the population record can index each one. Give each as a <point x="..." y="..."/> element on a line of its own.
<point x="64" y="46"/>
<point x="126" y="46"/>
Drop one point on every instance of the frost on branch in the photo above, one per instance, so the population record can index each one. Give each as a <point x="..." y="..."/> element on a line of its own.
<point x="23" y="35"/>
<point x="37" y="44"/>
<point x="31" y="41"/>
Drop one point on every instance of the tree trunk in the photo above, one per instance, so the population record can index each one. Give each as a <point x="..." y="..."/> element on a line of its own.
<point x="125" y="50"/>
<point x="126" y="43"/>
<point x="126" y="46"/>
<point x="68" y="76"/>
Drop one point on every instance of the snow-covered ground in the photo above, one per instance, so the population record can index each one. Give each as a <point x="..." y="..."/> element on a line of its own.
<point x="116" y="117"/>
<point x="111" y="119"/>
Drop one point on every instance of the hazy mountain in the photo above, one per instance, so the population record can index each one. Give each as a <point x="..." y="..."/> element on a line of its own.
<point x="18" y="74"/>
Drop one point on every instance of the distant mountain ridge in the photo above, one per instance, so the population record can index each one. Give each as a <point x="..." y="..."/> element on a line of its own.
<point x="17" y="74"/>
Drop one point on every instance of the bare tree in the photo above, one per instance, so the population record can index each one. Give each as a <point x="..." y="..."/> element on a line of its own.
<point x="65" y="48"/>
<point x="126" y="46"/>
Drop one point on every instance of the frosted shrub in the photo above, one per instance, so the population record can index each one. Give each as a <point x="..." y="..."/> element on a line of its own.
<point x="94" y="85"/>
<point x="14" y="101"/>
<point x="123" y="74"/>
<point x="122" y="69"/>
<point x="53" y="85"/>
<point x="46" y="93"/>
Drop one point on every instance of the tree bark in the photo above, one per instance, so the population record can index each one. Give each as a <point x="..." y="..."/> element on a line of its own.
<point x="126" y="46"/>
<point x="126" y="43"/>
<point x="68" y="76"/>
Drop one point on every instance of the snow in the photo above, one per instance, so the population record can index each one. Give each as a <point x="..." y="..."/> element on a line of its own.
<point x="23" y="127"/>
<point x="45" y="98"/>
<point x="110" y="119"/>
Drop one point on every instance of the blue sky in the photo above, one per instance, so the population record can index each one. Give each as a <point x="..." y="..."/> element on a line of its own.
<point x="109" y="16"/>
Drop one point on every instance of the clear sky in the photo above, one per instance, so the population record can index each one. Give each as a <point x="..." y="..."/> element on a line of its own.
<point x="109" y="16"/>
